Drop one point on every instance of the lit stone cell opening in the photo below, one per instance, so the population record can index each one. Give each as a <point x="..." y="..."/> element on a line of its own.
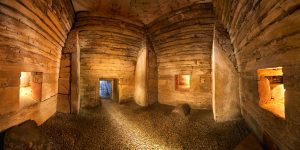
<point x="182" y="82"/>
<point x="271" y="90"/>
<point x="30" y="88"/>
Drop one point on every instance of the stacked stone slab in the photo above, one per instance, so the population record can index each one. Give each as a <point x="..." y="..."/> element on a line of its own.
<point x="108" y="50"/>
<point x="266" y="34"/>
<point x="32" y="36"/>
<point x="68" y="82"/>
<point x="182" y="42"/>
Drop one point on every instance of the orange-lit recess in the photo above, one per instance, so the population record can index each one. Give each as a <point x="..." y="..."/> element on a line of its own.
<point x="30" y="88"/>
<point x="183" y="82"/>
<point x="271" y="90"/>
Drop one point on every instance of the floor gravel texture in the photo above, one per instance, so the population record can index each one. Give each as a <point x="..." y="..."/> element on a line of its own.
<point x="128" y="126"/>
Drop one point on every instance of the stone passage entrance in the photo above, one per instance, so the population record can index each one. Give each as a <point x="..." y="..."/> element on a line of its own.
<point x="105" y="89"/>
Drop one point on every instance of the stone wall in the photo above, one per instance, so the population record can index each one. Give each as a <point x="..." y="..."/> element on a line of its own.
<point x="266" y="34"/>
<point x="108" y="49"/>
<point x="226" y="98"/>
<point x="32" y="34"/>
<point x="69" y="74"/>
<point x="182" y="41"/>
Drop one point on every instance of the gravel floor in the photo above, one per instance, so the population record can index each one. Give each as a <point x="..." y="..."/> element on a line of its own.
<point x="128" y="126"/>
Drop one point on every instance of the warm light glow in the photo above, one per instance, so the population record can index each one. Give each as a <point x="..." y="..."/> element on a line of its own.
<point x="271" y="90"/>
<point x="183" y="82"/>
<point x="25" y="79"/>
<point x="26" y="91"/>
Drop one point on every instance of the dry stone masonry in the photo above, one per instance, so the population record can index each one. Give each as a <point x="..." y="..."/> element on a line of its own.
<point x="108" y="50"/>
<point x="204" y="54"/>
<point x="182" y="42"/>
<point x="32" y="36"/>
<point x="266" y="34"/>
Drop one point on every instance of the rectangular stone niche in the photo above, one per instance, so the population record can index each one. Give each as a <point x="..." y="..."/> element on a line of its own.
<point x="30" y="88"/>
<point x="271" y="90"/>
<point x="182" y="82"/>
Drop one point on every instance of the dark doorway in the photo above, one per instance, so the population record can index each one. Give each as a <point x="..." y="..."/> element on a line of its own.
<point x="2" y="134"/>
<point x="105" y="89"/>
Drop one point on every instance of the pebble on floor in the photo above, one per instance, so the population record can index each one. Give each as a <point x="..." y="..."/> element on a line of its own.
<point x="128" y="126"/>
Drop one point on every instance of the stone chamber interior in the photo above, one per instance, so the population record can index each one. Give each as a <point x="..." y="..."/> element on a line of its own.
<point x="150" y="74"/>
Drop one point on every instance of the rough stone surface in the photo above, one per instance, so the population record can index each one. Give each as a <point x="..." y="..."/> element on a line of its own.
<point x="151" y="74"/>
<point x="140" y="88"/>
<point x="182" y="41"/>
<point x="226" y="100"/>
<point x="142" y="10"/>
<point x="63" y="103"/>
<point x="263" y="34"/>
<point x="108" y="50"/>
<point x="68" y="82"/>
<point x="129" y="126"/>
<point x="145" y="93"/>
<point x="26" y="136"/>
<point x="32" y="36"/>
<point x="266" y="34"/>
<point x="182" y="110"/>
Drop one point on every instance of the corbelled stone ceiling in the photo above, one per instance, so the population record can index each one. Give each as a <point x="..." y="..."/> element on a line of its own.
<point x="142" y="10"/>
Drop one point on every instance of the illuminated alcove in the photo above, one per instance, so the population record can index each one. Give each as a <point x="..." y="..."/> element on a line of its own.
<point x="182" y="82"/>
<point x="30" y="88"/>
<point x="271" y="90"/>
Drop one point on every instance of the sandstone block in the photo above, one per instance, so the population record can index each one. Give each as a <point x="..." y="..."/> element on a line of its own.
<point x="63" y="103"/>
<point x="63" y="86"/>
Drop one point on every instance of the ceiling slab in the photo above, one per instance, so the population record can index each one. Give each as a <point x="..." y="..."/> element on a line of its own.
<point x="142" y="10"/>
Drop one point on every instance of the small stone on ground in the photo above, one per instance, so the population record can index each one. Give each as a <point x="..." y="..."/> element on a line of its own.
<point x="182" y="110"/>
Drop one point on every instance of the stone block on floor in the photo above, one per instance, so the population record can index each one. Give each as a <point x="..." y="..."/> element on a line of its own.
<point x="182" y="110"/>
